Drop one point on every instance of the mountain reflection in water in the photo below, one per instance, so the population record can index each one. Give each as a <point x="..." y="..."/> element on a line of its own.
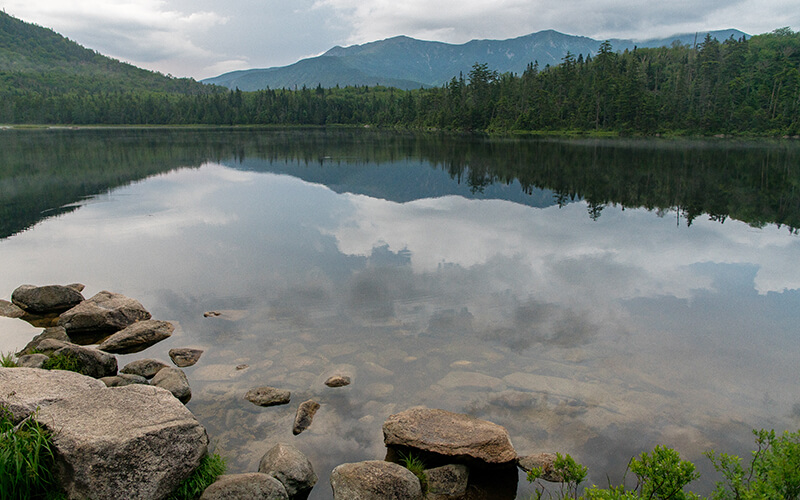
<point x="595" y="297"/>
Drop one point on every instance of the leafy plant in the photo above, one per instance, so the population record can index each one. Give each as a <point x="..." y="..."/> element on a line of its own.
<point x="774" y="470"/>
<point x="417" y="467"/>
<point x="7" y="360"/>
<point x="571" y="473"/>
<point x="26" y="457"/>
<point x="211" y="467"/>
<point x="65" y="361"/>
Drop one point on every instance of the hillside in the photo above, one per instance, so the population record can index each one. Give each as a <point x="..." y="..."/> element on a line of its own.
<point x="408" y="63"/>
<point x="33" y="58"/>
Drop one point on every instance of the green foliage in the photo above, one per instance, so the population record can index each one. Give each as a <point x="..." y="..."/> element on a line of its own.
<point x="26" y="457"/>
<point x="774" y="470"/>
<point x="416" y="466"/>
<point x="64" y="361"/>
<point x="211" y="467"/>
<point x="7" y="360"/>
<point x="663" y="474"/>
<point x="572" y="474"/>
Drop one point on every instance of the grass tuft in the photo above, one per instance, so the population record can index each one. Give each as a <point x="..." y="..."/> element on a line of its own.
<point x="211" y="467"/>
<point x="65" y="361"/>
<point x="26" y="459"/>
<point x="417" y="467"/>
<point x="8" y="360"/>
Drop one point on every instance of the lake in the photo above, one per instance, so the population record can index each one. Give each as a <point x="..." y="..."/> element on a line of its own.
<point x="595" y="297"/>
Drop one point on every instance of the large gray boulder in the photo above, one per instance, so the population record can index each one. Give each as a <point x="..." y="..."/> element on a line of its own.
<point x="104" y="312"/>
<point x="290" y="466"/>
<point x="137" y="442"/>
<point x="457" y="437"/>
<point x="91" y="362"/>
<point x="46" y="299"/>
<point x="175" y="381"/>
<point x="137" y="337"/>
<point x="374" y="480"/>
<point x="25" y="389"/>
<point x="249" y="486"/>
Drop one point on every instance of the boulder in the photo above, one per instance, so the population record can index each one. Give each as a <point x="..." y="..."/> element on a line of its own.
<point x="146" y="368"/>
<point x="185" y="356"/>
<point x="25" y="389"/>
<point x="288" y="465"/>
<point x="135" y="441"/>
<point x="374" y="480"/>
<point x="137" y="337"/>
<point x="10" y="310"/>
<point x="104" y="312"/>
<point x="543" y="461"/>
<point x="447" y="482"/>
<point x="304" y="416"/>
<point x="268" y="396"/>
<point x="32" y="360"/>
<point x="55" y="332"/>
<point x="91" y="362"/>
<point x="249" y="486"/>
<point x="46" y="299"/>
<point x="175" y="381"/>
<point x="123" y="379"/>
<point x="338" y="381"/>
<point x="456" y="437"/>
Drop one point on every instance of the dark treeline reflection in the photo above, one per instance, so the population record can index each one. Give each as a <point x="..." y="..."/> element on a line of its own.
<point x="46" y="172"/>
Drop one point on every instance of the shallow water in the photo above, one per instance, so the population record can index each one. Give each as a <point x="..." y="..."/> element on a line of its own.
<point x="426" y="270"/>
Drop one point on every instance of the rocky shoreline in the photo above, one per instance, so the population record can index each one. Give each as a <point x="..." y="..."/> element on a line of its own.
<point x="128" y="432"/>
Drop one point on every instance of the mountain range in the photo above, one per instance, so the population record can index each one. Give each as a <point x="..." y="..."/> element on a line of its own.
<point x="408" y="63"/>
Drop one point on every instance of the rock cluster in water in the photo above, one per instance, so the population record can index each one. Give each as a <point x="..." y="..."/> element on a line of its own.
<point x="102" y="451"/>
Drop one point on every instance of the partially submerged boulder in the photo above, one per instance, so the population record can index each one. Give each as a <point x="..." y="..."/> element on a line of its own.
<point x="55" y="332"/>
<point x="290" y="466"/>
<point x="374" y="480"/>
<point x="268" y="396"/>
<point x="448" y="481"/>
<point x="175" y="381"/>
<point x="10" y="310"/>
<point x="248" y="486"/>
<point x="337" y="381"/>
<point x="542" y="461"/>
<point x="304" y="416"/>
<point x="46" y="299"/>
<point x="146" y="368"/>
<point x="455" y="437"/>
<point x="137" y="337"/>
<point x="185" y="356"/>
<point x="104" y="312"/>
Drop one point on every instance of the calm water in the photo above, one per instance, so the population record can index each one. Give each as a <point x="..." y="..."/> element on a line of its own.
<point x="593" y="297"/>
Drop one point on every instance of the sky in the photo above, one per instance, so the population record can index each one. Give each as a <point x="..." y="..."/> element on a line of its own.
<point x="206" y="38"/>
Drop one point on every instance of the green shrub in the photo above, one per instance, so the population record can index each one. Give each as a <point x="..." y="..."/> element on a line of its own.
<point x="26" y="457"/>
<point x="572" y="474"/>
<point x="417" y="467"/>
<point x="211" y="467"/>
<point x="774" y="470"/>
<point x="65" y="361"/>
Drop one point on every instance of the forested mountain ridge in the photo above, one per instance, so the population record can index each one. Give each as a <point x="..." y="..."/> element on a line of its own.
<point x="407" y="63"/>
<point x="37" y="58"/>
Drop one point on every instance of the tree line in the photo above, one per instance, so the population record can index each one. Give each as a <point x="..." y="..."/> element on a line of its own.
<point x="744" y="86"/>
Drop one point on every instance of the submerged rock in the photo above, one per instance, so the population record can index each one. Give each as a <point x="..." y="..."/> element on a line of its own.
<point x="374" y="480"/>
<point x="137" y="337"/>
<point x="304" y="416"/>
<point x="457" y="437"/>
<point x="46" y="299"/>
<point x="338" y="381"/>
<point x="290" y="466"/>
<point x="185" y="356"/>
<point x="268" y="396"/>
<point x="104" y="312"/>
<point x="543" y="461"/>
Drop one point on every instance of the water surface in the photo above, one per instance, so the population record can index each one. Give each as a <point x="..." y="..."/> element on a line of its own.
<point x="593" y="297"/>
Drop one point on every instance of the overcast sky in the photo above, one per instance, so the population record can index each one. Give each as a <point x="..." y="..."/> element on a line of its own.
<point x="204" y="38"/>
